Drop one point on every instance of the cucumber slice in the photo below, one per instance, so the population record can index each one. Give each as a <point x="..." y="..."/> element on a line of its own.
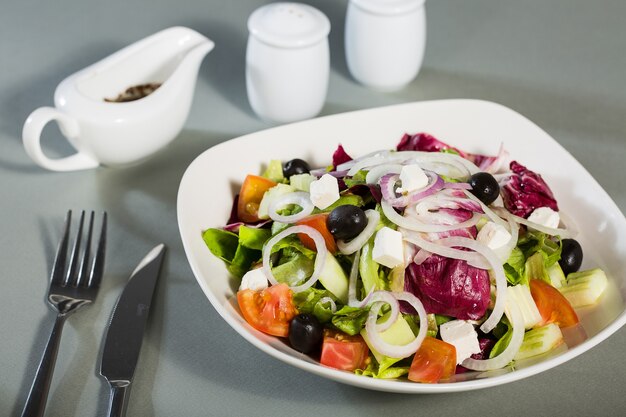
<point x="520" y="295"/>
<point x="585" y="287"/>
<point x="334" y="279"/>
<point x="274" y="171"/>
<point x="302" y="182"/>
<point x="540" y="340"/>
<point x="399" y="334"/>
<point x="271" y="195"/>
<point x="557" y="277"/>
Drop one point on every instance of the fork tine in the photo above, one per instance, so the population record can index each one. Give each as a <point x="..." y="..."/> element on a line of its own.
<point x="56" y="277"/>
<point x="97" y="268"/>
<point x="83" y="278"/>
<point x="72" y="272"/>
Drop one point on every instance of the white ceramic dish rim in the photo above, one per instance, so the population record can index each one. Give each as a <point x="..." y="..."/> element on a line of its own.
<point x="301" y="361"/>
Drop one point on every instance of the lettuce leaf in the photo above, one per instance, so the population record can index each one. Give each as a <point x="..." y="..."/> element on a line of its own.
<point x="221" y="243"/>
<point x="227" y="246"/>
<point x="307" y="302"/>
<point x="350" y="320"/>
<point x="384" y="369"/>
<point x="253" y="238"/>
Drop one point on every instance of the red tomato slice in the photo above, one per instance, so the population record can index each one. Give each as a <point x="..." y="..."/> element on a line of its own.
<point x="250" y="197"/>
<point x="552" y="305"/>
<point x="318" y="222"/>
<point x="341" y="351"/>
<point x="269" y="310"/>
<point x="434" y="360"/>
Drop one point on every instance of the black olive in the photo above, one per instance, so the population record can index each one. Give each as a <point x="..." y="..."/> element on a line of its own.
<point x="571" y="256"/>
<point x="295" y="166"/>
<point x="346" y="222"/>
<point x="484" y="187"/>
<point x="305" y="333"/>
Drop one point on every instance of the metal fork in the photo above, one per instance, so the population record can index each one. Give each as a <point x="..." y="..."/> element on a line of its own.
<point x="70" y="289"/>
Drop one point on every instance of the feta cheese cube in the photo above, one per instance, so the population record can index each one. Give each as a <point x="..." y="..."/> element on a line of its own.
<point x="412" y="178"/>
<point x="254" y="279"/>
<point x="545" y="216"/>
<point x="324" y="191"/>
<point x="388" y="248"/>
<point x="462" y="336"/>
<point x="493" y="235"/>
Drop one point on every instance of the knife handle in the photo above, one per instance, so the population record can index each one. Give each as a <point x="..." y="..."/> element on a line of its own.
<point x="118" y="398"/>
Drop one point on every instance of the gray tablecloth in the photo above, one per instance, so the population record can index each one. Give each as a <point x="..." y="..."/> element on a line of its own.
<point x="561" y="63"/>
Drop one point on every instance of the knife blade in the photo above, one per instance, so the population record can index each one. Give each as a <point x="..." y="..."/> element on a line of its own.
<point x="124" y="334"/>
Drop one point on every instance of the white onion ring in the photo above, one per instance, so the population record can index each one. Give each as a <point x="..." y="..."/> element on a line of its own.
<point x="505" y="251"/>
<point x="500" y="361"/>
<point x="348" y="248"/>
<point x="373" y="328"/>
<point x="457" y="186"/>
<point x="320" y="259"/>
<point x="349" y="164"/>
<point x="417" y="226"/>
<point x="563" y="233"/>
<point x="474" y="259"/>
<point x="490" y="213"/>
<point x="354" y="272"/>
<point x="299" y="198"/>
<point x="379" y="298"/>
<point x="324" y="300"/>
<point x="375" y="160"/>
<point x="374" y="174"/>
<point x="466" y="167"/>
<point x="387" y="188"/>
<point x="496" y="267"/>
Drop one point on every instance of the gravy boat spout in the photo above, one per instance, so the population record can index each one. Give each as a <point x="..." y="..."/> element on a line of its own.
<point x="107" y="126"/>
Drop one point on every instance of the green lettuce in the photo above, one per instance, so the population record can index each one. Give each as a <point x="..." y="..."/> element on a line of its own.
<point x="350" y="320"/>
<point x="384" y="369"/>
<point x="307" y="302"/>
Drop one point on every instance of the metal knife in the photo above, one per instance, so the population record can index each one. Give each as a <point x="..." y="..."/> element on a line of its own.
<point x="125" y="331"/>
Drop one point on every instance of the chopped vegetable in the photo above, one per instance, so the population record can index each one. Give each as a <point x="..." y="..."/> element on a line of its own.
<point x="585" y="287"/>
<point x="552" y="305"/>
<point x="540" y="340"/>
<point x="317" y="238"/>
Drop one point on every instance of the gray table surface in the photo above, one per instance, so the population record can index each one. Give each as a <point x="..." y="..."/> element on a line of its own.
<point x="561" y="63"/>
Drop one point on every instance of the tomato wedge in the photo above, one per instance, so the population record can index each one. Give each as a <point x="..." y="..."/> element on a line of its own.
<point x="269" y="310"/>
<point x="318" y="222"/>
<point x="342" y="351"/>
<point x="434" y="360"/>
<point x="250" y="197"/>
<point x="552" y="305"/>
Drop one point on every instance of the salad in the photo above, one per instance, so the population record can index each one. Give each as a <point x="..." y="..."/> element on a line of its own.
<point x="419" y="262"/>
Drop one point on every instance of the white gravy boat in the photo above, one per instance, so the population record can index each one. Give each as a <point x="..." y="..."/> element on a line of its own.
<point x="113" y="133"/>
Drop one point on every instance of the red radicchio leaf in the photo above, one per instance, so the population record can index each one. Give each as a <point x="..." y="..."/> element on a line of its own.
<point x="450" y="287"/>
<point x="424" y="142"/>
<point x="340" y="156"/>
<point x="525" y="190"/>
<point x="428" y="143"/>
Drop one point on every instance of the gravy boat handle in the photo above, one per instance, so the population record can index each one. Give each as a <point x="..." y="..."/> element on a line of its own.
<point x="31" y="136"/>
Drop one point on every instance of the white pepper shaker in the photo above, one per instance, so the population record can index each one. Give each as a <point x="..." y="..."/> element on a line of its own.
<point x="385" y="41"/>
<point x="287" y="61"/>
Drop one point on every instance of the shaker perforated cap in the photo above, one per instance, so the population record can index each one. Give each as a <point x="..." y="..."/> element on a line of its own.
<point x="388" y="7"/>
<point x="288" y="25"/>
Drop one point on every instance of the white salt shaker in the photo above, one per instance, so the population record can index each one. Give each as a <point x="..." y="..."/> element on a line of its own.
<point x="287" y="61"/>
<point x="385" y="41"/>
